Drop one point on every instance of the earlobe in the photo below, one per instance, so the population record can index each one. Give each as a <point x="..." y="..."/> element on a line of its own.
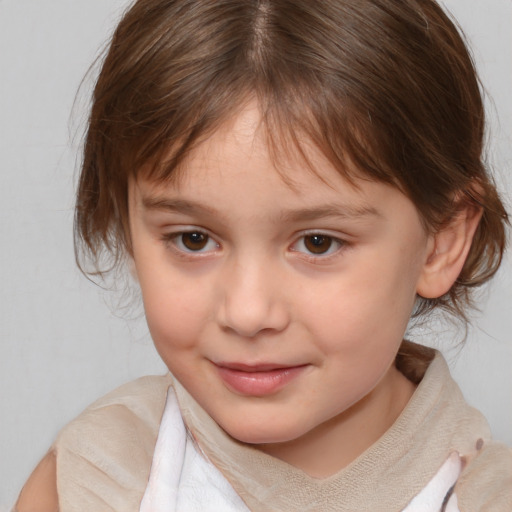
<point x="447" y="253"/>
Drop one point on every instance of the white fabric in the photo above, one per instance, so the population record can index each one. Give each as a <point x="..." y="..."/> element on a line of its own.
<point x="181" y="478"/>
<point x="104" y="456"/>
<point x="431" y="498"/>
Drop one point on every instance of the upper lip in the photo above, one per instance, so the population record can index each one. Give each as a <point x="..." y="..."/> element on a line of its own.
<point x="258" y="367"/>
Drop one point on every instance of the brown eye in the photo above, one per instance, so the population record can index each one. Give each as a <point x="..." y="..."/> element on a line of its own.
<point x="318" y="244"/>
<point x="194" y="241"/>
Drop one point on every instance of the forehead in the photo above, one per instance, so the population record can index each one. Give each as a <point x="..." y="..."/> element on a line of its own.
<point x="246" y="140"/>
<point x="242" y="149"/>
<point x="234" y="176"/>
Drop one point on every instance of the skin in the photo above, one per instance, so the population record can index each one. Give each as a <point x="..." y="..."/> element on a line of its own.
<point x="223" y="257"/>
<point x="40" y="492"/>
<point x="252" y="292"/>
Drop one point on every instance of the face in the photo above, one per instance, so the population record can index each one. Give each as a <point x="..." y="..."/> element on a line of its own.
<point x="279" y="306"/>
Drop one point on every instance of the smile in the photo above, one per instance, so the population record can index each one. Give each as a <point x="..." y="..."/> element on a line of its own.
<point x="258" y="380"/>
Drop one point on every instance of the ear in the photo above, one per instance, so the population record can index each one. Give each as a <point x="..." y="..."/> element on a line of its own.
<point x="447" y="252"/>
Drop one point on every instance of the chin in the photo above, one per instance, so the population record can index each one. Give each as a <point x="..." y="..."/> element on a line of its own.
<point x="266" y="433"/>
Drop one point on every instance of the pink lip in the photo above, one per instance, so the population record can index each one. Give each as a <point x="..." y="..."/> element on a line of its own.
<point x="257" y="380"/>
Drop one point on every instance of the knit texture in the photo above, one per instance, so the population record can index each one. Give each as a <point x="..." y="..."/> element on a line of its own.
<point x="104" y="456"/>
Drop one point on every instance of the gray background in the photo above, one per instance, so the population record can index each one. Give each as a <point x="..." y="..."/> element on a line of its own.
<point x="65" y="342"/>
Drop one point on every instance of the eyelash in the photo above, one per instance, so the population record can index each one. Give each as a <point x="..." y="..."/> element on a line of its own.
<point x="335" y="245"/>
<point x="176" y="239"/>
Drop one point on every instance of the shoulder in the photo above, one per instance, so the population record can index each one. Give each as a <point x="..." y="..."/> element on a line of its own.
<point x="135" y="407"/>
<point x="486" y="480"/>
<point x="140" y="395"/>
<point x="107" y="450"/>
<point x="40" y="492"/>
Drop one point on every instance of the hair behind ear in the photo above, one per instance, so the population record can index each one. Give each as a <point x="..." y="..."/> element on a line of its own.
<point x="479" y="221"/>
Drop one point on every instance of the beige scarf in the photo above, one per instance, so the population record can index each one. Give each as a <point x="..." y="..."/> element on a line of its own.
<point x="104" y="456"/>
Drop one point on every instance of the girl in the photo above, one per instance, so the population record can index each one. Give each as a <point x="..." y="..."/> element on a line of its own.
<point x="290" y="182"/>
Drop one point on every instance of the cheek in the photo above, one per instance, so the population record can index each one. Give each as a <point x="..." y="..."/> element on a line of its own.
<point x="366" y="310"/>
<point x="176" y="310"/>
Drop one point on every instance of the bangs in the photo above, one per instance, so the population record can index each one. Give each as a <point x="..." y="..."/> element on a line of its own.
<point x="386" y="91"/>
<point x="297" y="115"/>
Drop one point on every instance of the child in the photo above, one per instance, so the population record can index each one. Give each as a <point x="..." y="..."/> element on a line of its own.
<point x="289" y="181"/>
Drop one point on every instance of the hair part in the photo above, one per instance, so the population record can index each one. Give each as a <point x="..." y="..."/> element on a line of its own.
<point x="387" y="86"/>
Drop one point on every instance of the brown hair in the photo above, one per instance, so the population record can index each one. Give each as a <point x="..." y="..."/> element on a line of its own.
<point x="387" y="85"/>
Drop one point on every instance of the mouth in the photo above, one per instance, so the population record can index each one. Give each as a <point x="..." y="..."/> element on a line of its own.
<point x="259" y="379"/>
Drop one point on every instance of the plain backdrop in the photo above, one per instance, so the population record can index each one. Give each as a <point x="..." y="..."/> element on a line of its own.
<point x="64" y="341"/>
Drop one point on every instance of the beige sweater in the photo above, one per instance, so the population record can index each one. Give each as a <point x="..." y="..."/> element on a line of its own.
<point x="104" y="456"/>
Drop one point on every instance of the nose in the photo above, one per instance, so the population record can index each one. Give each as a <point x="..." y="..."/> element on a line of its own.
<point x="253" y="299"/>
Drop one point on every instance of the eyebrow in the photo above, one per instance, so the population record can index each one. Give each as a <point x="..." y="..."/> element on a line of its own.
<point x="296" y="215"/>
<point x="176" y="205"/>
<point x="330" y="210"/>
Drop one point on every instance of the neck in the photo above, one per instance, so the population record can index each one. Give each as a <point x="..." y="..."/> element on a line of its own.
<point x="336" y="443"/>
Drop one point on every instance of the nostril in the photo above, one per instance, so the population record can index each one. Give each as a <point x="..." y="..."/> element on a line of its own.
<point x="252" y="318"/>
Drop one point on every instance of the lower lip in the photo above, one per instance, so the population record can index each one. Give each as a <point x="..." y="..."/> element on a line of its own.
<point x="258" y="383"/>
